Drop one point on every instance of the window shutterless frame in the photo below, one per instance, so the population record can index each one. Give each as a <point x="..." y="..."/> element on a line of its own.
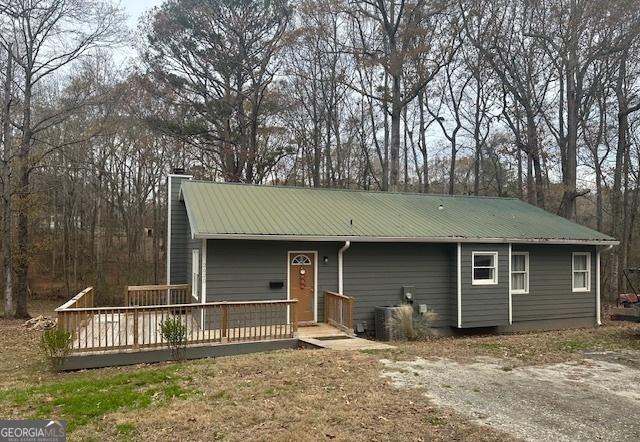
<point x="579" y="271"/>
<point x="493" y="267"/>
<point x="524" y="290"/>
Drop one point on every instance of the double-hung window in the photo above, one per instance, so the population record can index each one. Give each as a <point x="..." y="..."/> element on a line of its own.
<point x="485" y="268"/>
<point x="519" y="272"/>
<point x="581" y="272"/>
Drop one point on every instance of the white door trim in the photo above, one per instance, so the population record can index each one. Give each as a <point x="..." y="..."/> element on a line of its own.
<point x="315" y="280"/>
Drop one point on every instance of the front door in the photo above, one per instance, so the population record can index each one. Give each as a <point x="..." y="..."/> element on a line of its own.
<point x="302" y="282"/>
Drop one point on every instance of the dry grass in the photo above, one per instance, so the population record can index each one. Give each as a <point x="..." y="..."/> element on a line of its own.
<point x="293" y="395"/>
<point x="290" y="395"/>
<point x="287" y="395"/>
<point x="527" y="348"/>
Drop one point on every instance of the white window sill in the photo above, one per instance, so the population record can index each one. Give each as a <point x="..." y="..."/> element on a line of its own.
<point x="580" y="290"/>
<point x="484" y="282"/>
<point x="520" y="292"/>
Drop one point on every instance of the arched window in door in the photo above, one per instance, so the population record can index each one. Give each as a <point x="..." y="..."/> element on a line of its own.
<point x="301" y="260"/>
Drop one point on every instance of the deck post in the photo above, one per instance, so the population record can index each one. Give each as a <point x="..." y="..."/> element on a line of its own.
<point x="225" y="321"/>
<point x="61" y="322"/>
<point x="126" y="296"/>
<point x="294" y="321"/>
<point x="326" y="308"/>
<point x="135" y="328"/>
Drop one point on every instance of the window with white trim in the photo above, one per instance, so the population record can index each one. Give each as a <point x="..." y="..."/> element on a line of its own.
<point x="485" y="268"/>
<point x="581" y="272"/>
<point x="520" y="272"/>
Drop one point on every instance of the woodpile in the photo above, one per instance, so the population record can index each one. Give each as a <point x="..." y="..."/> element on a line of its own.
<point x="40" y="323"/>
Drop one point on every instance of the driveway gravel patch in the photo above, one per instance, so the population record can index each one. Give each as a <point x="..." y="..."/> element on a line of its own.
<point x="591" y="400"/>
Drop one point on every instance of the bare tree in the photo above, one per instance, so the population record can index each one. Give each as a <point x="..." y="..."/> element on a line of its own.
<point x="415" y="40"/>
<point x="7" y="231"/>
<point x="44" y="38"/>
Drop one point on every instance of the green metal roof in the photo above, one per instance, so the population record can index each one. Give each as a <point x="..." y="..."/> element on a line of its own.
<point x="221" y="210"/>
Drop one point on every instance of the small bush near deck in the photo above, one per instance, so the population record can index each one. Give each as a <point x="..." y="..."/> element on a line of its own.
<point x="56" y="345"/>
<point x="175" y="333"/>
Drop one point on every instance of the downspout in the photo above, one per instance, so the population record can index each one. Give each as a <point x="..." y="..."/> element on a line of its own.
<point x="343" y="249"/>
<point x="598" y="301"/>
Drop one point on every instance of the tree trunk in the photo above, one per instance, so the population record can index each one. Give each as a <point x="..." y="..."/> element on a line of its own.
<point x="22" y="261"/>
<point x="569" y="168"/>
<point x="476" y="137"/>
<point x="452" y="166"/>
<point x="7" y="240"/>
<point x="423" y="144"/>
<point x="616" y="193"/>
<point x="396" y="116"/>
<point x="534" y="156"/>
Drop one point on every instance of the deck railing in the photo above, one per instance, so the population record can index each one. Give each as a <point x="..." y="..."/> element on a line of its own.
<point x="135" y="327"/>
<point x="84" y="299"/>
<point x="338" y="311"/>
<point x="145" y="295"/>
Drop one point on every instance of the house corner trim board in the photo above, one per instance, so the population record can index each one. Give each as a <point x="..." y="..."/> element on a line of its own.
<point x="459" y="268"/>
<point x="510" y="287"/>
<point x="168" y="230"/>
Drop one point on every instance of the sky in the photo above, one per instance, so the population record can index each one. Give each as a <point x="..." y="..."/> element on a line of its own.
<point x="135" y="8"/>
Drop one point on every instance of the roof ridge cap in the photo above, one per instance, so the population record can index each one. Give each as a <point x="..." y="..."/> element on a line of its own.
<point x="338" y="189"/>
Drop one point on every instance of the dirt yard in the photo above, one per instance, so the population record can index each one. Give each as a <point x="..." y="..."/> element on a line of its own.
<point x="573" y="384"/>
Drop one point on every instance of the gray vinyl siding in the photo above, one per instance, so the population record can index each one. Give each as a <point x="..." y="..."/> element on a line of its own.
<point x="374" y="274"/>
<point x="180" y="235"/>
<point x="550" y="288"/>
<point x="241" y="270"/>
<point x="485" y="305"/>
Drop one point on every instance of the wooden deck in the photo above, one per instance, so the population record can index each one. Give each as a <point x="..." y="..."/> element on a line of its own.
<point x="137" y="325"/>
<point x="117" y="330"/>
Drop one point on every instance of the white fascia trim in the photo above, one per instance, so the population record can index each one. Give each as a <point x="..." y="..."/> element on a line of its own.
<point x="341" y="251"/>
<point x="510" y="290"/>
<point x="399" y="239"/>
<point x="459" y="268"/>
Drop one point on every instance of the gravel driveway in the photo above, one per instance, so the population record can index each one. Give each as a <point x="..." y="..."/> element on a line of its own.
<point x="597" y="399"/>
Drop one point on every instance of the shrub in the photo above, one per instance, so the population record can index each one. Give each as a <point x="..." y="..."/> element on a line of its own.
<point x="408" y="325"/>
<point x="175" y="333"/>
<point x="56" y="345"/>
